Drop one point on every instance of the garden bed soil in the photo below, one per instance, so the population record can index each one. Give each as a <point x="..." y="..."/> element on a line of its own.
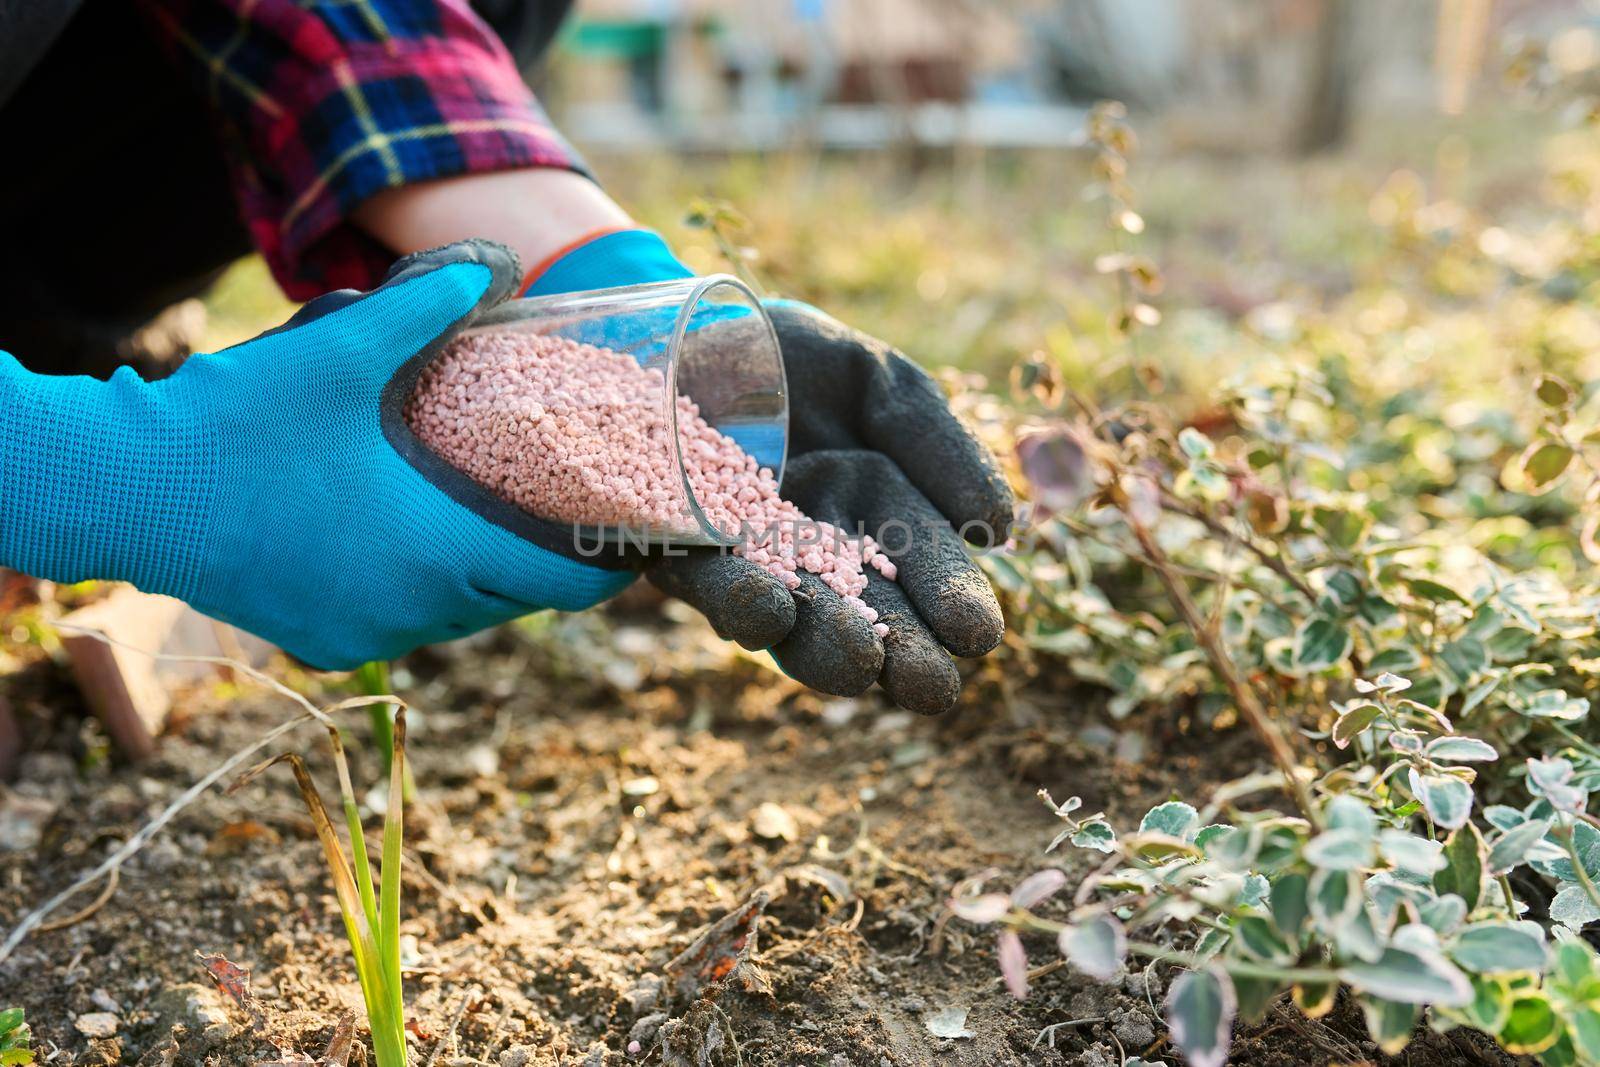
<point x="594" y="792"/>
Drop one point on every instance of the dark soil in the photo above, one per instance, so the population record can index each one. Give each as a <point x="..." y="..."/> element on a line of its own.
<point x="594" y="791"/>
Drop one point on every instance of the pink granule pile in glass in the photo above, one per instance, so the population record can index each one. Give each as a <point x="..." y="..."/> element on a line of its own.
<point x="579" y="434"/>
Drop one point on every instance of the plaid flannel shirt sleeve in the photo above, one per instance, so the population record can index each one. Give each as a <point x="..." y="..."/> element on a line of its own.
<point x="322" y="103"/>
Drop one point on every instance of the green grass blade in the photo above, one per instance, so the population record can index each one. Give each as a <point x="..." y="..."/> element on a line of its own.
<point x="389" y="892"/>
<point x="358" y="840"/>
<point x="373" y="680"/>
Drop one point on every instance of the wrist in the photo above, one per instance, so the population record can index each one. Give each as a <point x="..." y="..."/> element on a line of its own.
<point x="538" y="212"/>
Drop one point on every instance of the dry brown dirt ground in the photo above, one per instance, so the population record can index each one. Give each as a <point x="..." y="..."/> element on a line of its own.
<point x="594" y="791"/>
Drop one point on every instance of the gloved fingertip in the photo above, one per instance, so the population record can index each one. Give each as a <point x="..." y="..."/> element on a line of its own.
<point x="743" y="602"/>
<point x="920" y="677"/>
<point x="758" y="611"/>
<point x="831" y="649"/>
<point x="504" y="266"/>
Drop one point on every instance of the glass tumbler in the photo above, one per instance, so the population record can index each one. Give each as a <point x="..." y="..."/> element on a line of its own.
<point x="712" y="342"/>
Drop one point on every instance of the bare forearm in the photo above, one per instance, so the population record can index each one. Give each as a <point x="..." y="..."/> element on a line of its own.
<point x="538" y="212"/>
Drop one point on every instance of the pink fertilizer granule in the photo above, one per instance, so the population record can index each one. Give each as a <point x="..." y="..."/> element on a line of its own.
<point x="579" y="434"/>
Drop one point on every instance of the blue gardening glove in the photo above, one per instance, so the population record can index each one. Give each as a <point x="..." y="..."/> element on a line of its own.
<point x="275" y="485"/>
<point x="874" y="444"/>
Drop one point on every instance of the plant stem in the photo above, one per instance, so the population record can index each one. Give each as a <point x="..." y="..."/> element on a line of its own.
<point x="1577" y="867"/>
<point x="1272" y="560"/>
<point x="1244" y="697"/>
<point x="374" y="681"/>
<point x="1239" y="968"/>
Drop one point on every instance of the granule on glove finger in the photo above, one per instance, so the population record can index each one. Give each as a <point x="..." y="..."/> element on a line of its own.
<point x="579" y="434"/>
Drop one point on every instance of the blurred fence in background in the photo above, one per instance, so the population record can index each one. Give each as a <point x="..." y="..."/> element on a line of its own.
<point x="1232" y="74"/>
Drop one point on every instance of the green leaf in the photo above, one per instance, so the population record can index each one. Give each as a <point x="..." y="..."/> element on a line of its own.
<point x="1444" y="914"/>
<point x="1491" y="1004"/>
<point x="1436" y="592"/>
<point x="1388" y="891"/>
<point x="1195" y="444"/>
<point x="1513" y="846"/>
<point x="1289" y="904"/>
<point x="1544" y="462"/>
<point x="1464" y="658"/>
<point x="1463" y="866"/>
<point x="1551" y="778"/>
<point x="1553" y="392"/>
<point x="1348" y="813"/>
<point x="1174" y="818"/>
<point x="1345" y="587"/>
<point x="16" y="1057"/>
<point x="1098" y="836"/>
<point x="1358" y="937"/>
<point x="1233" y="849"/>
<point x="1320" y="643"/>
<point x="1395" y="659"/>
<point x="1482" y="691"/>
<point x="1511" y="645"/>
<point x="1410" y="976"/>
<point x="1554" y="704"/>
<point x="1340" y="850"/>
<point x="1448" y="799"/>
<point x="1096" y="947"/>
<point x="1389" y="1022"/>
<point x="1585" y="841"/>
<point x="1200" y="1011"/>
<point x="1457" y="749"/>
<point x="1315" y="999"/>
<point x="1585" y="1027"/>
<point x="1279" y="847"/>
<point x="1261" y="941"/>
<point x="1342" y="528"/>
<point x="1213" y="941"/>
<point x="10" y="1019"/>
<point x="1532" y="1027"/>
<point x="1499" y="947"/>
<point x="1255" y="996"/>
<point x="1254" y="890"/>
<point x="1335" y="897"/>
<point x="1573" y="908"/>
<point x="1576" y="973"/>
<point x="1560" y="1054"/>
<point x="1353" y="721"/>
<point x="1503" y="816"/>
<point x="1411" y="853"/>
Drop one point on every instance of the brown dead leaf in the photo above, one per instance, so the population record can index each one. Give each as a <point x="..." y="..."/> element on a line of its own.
<point x="234" y="981"/>
<point x="723" y="952"/>
<point x="337" y="1054"/>
<point x="241" y="836"/>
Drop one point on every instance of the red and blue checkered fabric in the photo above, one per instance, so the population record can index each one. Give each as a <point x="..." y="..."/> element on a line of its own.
<point x="322" y="103"/>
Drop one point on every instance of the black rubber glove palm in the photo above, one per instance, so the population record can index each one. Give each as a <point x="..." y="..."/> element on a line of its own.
<point x="874" y="444"/>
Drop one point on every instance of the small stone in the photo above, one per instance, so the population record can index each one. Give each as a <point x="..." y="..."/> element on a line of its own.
<point x="645" y="1030"/>
<point x="96" y="1024"/>
<point x="481" y="760"/>
<point x="773" y="823"/>
<point x="1133" y="1028"/>
<point x="22" y="821"/>
<point x="196" y="1008"/>
<point x="518" y="1056"/>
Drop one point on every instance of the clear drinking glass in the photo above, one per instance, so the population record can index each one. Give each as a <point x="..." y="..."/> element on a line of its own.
<point x="711" y="341"/>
